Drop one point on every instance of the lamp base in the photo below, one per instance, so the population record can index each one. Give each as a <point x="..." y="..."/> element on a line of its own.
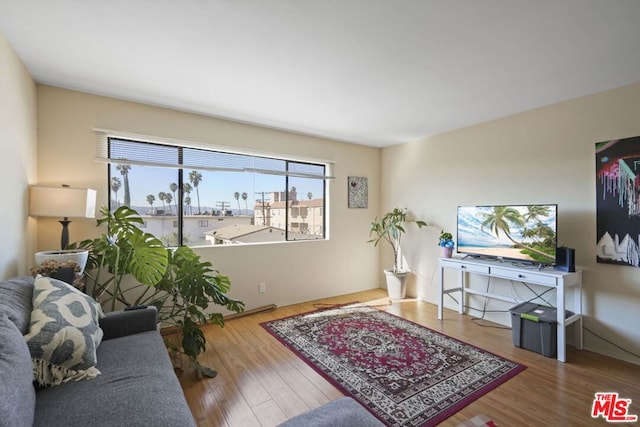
<point x="64" y="238"/>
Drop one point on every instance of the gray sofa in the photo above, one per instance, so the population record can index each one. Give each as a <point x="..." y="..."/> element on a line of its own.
<point x="136" y="386"/>
<point x="343" y="412"/>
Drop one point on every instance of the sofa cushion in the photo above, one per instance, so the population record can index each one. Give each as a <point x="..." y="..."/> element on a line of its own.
<point x="15" y="301"/>
<point x="137" y="387"/>
<point x="63" y="333"/>
<point x="343" y="412"/>
<point x="17" y="396"/>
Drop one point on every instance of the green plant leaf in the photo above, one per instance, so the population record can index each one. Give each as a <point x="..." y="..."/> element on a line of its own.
<point x="203" y="371"/>
<point x="193" y="341"/>
<point x="148" y="262"/>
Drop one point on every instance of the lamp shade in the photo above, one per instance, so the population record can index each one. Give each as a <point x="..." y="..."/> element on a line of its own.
<point x="62" y="202"/>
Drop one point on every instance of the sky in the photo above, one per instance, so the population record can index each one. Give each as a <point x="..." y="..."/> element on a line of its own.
<point x="214" y="188"/>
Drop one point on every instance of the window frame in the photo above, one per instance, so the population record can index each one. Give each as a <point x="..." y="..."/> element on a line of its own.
<point x="288" y="173"/>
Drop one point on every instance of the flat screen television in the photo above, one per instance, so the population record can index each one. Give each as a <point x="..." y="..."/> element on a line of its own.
<point x="526" y="233"/>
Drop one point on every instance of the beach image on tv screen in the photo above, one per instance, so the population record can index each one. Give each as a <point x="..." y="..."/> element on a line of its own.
<point x="525" y="233"/>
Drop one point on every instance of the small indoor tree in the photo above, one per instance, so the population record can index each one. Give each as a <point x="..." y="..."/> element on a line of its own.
<point x="390" y="229"/>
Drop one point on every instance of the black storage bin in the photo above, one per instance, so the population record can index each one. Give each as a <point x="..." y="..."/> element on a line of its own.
<point x="535" y="328"/>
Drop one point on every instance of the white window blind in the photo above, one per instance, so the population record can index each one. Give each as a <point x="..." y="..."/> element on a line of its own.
<point x="145" y="152"/>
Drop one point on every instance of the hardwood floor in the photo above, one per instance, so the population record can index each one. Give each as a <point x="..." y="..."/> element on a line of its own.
<point x="261" y="383"/>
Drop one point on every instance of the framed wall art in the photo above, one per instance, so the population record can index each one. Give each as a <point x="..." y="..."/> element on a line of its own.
<point x="358" y="192"/>
<point x="618" y="201"/>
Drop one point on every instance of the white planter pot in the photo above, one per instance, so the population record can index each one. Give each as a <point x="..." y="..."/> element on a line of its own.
<point x="396" y="284"/>
<point x="78" y="255"/>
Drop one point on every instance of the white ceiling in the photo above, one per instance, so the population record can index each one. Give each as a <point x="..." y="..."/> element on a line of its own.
<point x="373" y="72"/>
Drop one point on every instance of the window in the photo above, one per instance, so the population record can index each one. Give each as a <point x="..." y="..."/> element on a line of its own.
<point x="250" y="198"/>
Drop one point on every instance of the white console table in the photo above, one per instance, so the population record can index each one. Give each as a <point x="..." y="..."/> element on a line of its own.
<point x="559" y="280"/>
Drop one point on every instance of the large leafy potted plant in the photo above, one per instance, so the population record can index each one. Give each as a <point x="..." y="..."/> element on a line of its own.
<point x="128" y="267"/>
<point x="390" y="229"/>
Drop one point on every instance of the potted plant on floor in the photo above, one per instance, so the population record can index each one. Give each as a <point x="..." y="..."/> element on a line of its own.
<point x="128" y="267"/>
<point x="390" y="229"/>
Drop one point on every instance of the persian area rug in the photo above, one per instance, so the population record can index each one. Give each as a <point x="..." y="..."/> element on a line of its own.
<point x="403" y="373"/>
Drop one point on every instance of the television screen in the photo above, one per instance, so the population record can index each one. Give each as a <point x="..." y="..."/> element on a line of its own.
<point x="526" y="233"/>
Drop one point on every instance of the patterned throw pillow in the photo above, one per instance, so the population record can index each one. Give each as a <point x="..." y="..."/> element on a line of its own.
<point x="62" y="333"/>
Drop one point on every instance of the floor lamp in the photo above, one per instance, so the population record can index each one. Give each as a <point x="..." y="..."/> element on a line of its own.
<point x="65" y="202"/>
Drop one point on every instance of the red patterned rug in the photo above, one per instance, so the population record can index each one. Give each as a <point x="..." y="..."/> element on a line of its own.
<point x="403" y="373"/>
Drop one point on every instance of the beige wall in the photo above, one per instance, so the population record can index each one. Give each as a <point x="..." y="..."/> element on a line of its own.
<point x="294" y="271"/>
<point x="542" y="156"/>
<point x="17" y="162"/>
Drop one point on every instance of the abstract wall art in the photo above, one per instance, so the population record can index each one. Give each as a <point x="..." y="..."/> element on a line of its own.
<point x="358" y="192"/>
<point x="618" y="201"/>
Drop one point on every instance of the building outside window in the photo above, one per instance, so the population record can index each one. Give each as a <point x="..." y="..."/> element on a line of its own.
<point x="252" y="199"/>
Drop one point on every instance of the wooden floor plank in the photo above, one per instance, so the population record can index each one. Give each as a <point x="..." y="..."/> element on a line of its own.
<point x="269" y="413"/>
<point x="235" y="410"/>
<point x="262" y="383"/>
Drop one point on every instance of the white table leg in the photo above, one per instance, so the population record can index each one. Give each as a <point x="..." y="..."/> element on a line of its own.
<point x="577" y="304"/>
<point x="463" y="283"/>
<point x="562" y="345"/>
<point x="440" y="291"/>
